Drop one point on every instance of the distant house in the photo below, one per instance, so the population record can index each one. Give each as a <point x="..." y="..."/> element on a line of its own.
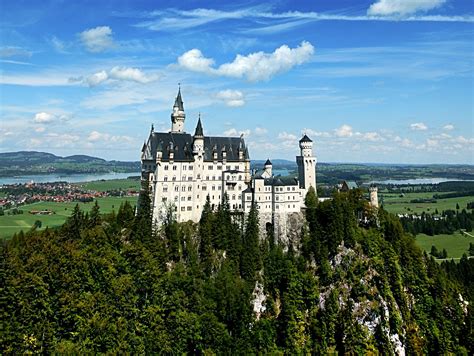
<point x="347" y="185"/>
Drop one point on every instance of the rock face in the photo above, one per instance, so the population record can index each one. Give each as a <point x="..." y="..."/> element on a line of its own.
<point x="286" y="228"/>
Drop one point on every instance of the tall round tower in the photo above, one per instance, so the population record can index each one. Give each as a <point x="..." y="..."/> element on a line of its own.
<point x="374" y="200"/>
<point x="306" y="164"/>
<point x="178" y="116"/>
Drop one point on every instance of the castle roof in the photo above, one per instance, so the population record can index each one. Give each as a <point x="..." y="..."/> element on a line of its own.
<point x="181" y="144"/>
<point x="306" y="139"/>
<point x="198" y="131"/>
<point x="268" y="163"/>
<point x="179" y="101"/>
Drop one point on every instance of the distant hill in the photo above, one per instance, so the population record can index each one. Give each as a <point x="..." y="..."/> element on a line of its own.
<point x="33" y="162"/>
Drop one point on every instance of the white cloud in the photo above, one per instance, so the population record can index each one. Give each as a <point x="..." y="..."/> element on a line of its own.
<point x="231" y="98"/>
<point x="260" y="131"/>
<point x="58" y="45"/>
<point x="402" y="7"/>
<point x="314" y="133"/>
<point x="253" y="67"/>
<point x="343" y="131"/>
<point x="97" y="39"/>
<point x="448" y="127"/>
<point x="40" y="129"/>
<point x="8" y="52"/>
<point x="117" y="73"/>
<point x="372" y="136"/>
<point x="418" y="126"/>
<point x="234" y="132"/>
<point x="43" y="118"/>
<point x="194" y="60"/>
<point x="95" y="136"/>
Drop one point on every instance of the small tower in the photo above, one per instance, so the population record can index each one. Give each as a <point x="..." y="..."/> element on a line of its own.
<point x="198" y="139"/>
<point x="374" y="199"/>
<point x="268" y="168"/>
<point x="178" y="116"/>
<point x="306" y="164"/>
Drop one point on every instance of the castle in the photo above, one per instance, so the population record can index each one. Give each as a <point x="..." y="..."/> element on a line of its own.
<point x="182" y="170"/>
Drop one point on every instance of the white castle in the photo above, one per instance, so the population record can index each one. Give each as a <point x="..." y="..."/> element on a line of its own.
<point x="182" y="170"/>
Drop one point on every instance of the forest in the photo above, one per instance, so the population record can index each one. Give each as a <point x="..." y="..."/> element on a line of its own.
<point x="353" y="282"/>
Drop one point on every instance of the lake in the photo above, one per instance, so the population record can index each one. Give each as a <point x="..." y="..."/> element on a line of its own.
<point x="418" y="181"/>
<point x="70" y="178"/>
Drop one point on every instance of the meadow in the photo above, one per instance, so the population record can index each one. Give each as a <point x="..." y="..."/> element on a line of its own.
<point x="393" y="203"/>
<point x="112" y="184"/>
<point x="10" y="224"/>
<point x="456" y="244"/>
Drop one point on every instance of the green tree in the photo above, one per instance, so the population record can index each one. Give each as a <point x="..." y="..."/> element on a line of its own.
<point x="250" y="261"/>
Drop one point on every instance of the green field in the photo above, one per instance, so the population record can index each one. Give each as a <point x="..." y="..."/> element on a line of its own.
<point x="393" y="203"/>
<point x="456" y="244"/>
<point x="9" y="224"/>
<point x="112" y="184"/>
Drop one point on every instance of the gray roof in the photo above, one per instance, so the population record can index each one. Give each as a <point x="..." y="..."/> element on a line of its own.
<point x="268" y="163"/>
<point x="281" y="181"/>
<point x="306" y="139"/>
<point x="199" y="131"/>
<point x="182" y="146"/>
<point x="179" y="101"/>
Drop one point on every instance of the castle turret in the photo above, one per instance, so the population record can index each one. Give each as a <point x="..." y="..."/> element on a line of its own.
<point x="374" y="199"/>
<point x="306" y="164"/>
<point x="268" y="168"/>
<point x="198" y="139"/>
<point x="178" y="116"/>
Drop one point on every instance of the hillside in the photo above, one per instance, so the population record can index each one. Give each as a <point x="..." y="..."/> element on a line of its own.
<point x="113" y="284"/>
<point x="32" y="162"/>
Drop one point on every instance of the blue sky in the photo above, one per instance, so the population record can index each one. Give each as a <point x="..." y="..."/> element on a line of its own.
<point x="369" y="80"/>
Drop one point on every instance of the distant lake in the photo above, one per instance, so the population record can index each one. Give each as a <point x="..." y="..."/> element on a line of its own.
<point x="70" y="178"/>
<point x="418" y="181"/>
<point x="282" y="172"/>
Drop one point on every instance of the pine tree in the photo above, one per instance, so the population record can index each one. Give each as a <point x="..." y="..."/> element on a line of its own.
<point x="94" y="216"/>
<point x="142" y="226"/>
<point x="206" y="227"/>
<point x="250" y="261"/>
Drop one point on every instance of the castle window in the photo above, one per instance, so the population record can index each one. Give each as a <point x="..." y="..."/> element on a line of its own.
<point x="165" y="179"/>
<point x="184" y="168"/>
<point x="219" y="168"/>
<point x="190" y="178"/>
<point x="240" y="206"/>
<point x="213" y="187"/>
<point x="174" y="168"/>
<point x="236" y="167"/>
<point x="190" y="168"/>
<point x="233" y="206"/>
<point x="183" y="198"/>
<point x="293" y="188"/>
<point x="240" y="196"/>
<point x="207" y="177"/>
<point x="184" y="177"/>
<point x="183" y="188"/>
<point x="190" y="188"/>
<point x="189" y="198"/>
<point x="164" y="199"/>
<point x="166" y="167"/>
<point x="174" y="178"/>
<point x="218" y="187"/>
<point x="182" y="208"/>
<point x="211" y="167"/>
<point x="165" y="189"/>
<point x="227" y="168"/>
<point x="189" y="208"/>
<point x="233" y="197"/>
<point x="198" y="176"/>
<point x="204" y="188"/>
<point x="276" y="198"/>
<point x="176" y="189"/>
<point x="175" y="198"/>
<point x="240" y="177"/>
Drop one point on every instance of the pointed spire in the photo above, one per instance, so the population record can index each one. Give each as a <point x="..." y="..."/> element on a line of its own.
<point x="179" y="101"/>
<point x="199" y="131"/>
<point x="152" y="128"/>
<point x="268" y="163"/>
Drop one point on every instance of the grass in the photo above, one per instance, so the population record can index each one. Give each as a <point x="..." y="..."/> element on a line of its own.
<point x="456" y="244"/>
<point x="393" y="203"/>
<point x="112" y="184"/>
<point x="10" y="224"/>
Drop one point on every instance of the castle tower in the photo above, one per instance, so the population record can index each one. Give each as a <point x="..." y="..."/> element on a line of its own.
<point x="268" y="168"/>
<point x="306" y="164"/>
<point x="374" y="200"/>
<point x="178" y="116"/>
<point x="198" y="139"/>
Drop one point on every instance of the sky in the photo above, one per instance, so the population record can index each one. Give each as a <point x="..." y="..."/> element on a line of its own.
<point x="382" y="81"/>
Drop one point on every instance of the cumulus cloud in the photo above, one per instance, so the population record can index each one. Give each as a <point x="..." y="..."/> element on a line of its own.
<point x="372" y="136"/>
<point x="43" y="118"/>
<point x="344" y="131"/>
<point x="448" y="127"/>
<point x="231" y="98"/>
<point x="260" y="131"/>
<point x="97" y="39"/>
<point x="116" y="73"/>
<point x="402" y="7"/>
<point x="254" y="67"/>
<point x="418" y="126"/>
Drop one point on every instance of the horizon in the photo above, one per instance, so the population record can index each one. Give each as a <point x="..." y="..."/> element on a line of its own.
<point x="93" y="84"/>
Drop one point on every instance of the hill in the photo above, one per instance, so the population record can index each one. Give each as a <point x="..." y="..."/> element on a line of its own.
<point x="33" y="162"/>
<point x="113" y="284"/>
